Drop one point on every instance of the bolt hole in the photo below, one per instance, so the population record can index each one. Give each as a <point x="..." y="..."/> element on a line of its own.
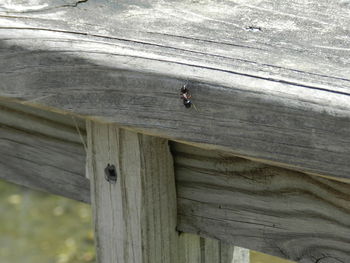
<point x="111" y="174"/>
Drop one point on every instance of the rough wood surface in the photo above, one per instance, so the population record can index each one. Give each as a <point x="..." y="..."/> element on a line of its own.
<point x="64" y="127"/>
<point x="196" y="249"/>
<point x="268" y="209"/>
<point x="270" y="79"/>
<point x="265" y="208"/>
<point x="43" y="163"/>
<point x="43" y="150"/>
<point x="135" y="218"/>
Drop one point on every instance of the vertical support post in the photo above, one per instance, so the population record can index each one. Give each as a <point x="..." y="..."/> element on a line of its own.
<point x="241" y="255"/>
<point x="134" y="216"/>
<point x="196" y="249"/>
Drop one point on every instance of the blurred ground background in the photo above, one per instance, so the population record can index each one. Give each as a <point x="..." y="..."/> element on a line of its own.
<point x="36" y="227"/>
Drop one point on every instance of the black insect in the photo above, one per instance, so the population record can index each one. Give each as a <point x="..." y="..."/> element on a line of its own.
<point x="186" y="96"/>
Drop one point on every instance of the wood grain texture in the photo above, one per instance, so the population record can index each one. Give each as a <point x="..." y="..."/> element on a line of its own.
<point x="270" y="78"/>
<point x="196" y="249"/>
<point x="46" y="123"/>
<point x="43" y="163"/>
<point x="32" y="140"/>
<point x="272" y="210"/>
<point x="43" y="150"/>
<point x="135" y="218"/>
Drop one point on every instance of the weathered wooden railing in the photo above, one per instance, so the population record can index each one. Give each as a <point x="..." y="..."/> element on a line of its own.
<point x="257" y="206"/>
<point x="261" y="160"/>
<point x="47" y="151"/>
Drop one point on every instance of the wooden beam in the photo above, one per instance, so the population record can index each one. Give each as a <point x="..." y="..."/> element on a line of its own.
<point x="250" y="204"/>
<point x="196" y="249"/>
<point x="66" y="127"/>
<point x="43" y="150"/>
<point x="32" y="139"/>
<point x="265" y="86"/>
<point x="241" y="255"/>
<point x="43" y="163"/>
<point x="48" y="124"/>
<point x="268" y="209"/>
<point x="135" y="217"/>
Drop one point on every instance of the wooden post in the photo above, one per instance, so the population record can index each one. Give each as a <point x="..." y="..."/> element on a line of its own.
<point x="241" y="255"/>
<point x="134" y="217"/>
<point x="196" y="249"/>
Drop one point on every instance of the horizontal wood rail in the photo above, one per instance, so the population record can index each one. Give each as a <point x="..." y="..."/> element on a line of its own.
<point x="270" y="90"/>
<point x="43" y="154"/>
<point x="273" y="210"/>
<point x="276" y="211"/>
<point x="270" y="80"/>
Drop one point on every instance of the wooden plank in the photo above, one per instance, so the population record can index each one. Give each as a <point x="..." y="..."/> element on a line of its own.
<point x="241" y="255"/>
<point x="135" y="218"/>
<point x="38" y="120"/>
<point x="51" y="124"/>
<point x="265" y="86"/>
<point x="189" y="248"/>
<point x="34" y="164"/>
<point x="196" y="249"/>
<point x="268" y="209"/>
<point x="46" y="133"/>
<point x="43" y="150"/>
<point x="43" y="163"/>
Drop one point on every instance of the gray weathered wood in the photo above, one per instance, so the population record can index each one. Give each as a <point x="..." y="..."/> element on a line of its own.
<point x="39" y="157"/>
<point x="196" y="249"/>
<point x="135" y="218"/>
<point x="43" y="163"/>
<point x="266" y="86"/>
<point x="241" y="255"/>
<point x="189" y="248"/>
<point x="50" y="125"/>
<point x="45" y="116"/>
<point x="268" y="209"/>
<point x="227" y="253"/>
<point x="40" y="136"/>
<point x="43" y="150"/>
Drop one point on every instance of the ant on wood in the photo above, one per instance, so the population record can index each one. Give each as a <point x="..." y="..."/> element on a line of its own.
<point x="186" y="96"/>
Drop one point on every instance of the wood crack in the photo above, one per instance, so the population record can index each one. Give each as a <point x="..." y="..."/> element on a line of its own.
<point x="196" y="65"/>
